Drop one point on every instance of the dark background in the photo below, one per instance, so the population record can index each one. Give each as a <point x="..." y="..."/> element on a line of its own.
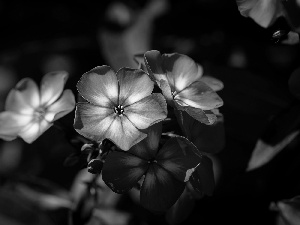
<point x="37" y="36"/>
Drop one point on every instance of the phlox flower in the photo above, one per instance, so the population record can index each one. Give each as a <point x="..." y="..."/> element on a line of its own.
<point x="210" y="81"/>
<point x="29" y="112"/>
<point x="119" y="106"/>
<point x="263" y="12"/>
<point x="165" y="169"/>
<point x="181" y="81"/>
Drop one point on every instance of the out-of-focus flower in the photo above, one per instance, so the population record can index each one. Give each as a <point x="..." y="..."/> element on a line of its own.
<point x="182" y="84"/>
<point x="288" y="211"/>
<point x="263" y="12"/>
<point x="29" y="112"/>
<point x="119" y="106"/>
<point x="165" y="170"/>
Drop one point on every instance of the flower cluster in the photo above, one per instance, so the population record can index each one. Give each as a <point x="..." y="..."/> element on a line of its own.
<point x="183" y="85"/>
<point x="120" y="106"/>
<point x="121" y="118"/>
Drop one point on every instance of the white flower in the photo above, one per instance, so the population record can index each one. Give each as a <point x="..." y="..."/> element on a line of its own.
<point x="29" y="112"/>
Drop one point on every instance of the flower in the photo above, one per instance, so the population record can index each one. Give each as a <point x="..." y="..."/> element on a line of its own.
<point x="179" y="78"/>
<point x="165" y="170"/>
<point x="210" y="81"/>
<point x="119" y="105"/>
<point x="266" y="12"/>
<point x="29" y="112"/>
<point x="263" y="12"/>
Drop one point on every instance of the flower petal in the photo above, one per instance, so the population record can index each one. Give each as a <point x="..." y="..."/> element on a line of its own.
<point x="292" y="38"/>
<point x="160" y="190"/>
<point x="213" y="83"/>
<point x="153" y="60"/>
<point x="99" y="86"/>
<point x="153" y="137"/>
<point x="210" y="139"/>
<point x="181" y="70"/>
<point x="134" y="86"/>
<point x="147" y="148"/>
<point x="147" y="111"/>
<point x="61" y="107"/>
<point x="141" y="150"/>
<point x="199" y="95"/>
<point x="34" y="130"/>
<point x="182" y="209"/>
<point x="122" y="170"/>
<point x="12" y="123"/>
<point x="207" y="117"/>
<point x="203" y="179"/>
<point x="179" y="157"/>
<point x="123" y="133"/>
<point x="52" y="86"/>
<point x="92" y="121"/>
<point x="24" y="98"/>
<point x="166" y="91"/>
<point x="263" y="12"/>
<point x="139" y="59"/>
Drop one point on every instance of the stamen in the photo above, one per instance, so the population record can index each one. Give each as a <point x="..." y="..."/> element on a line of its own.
<point x="119" y="110"/>
<point x="174" y="93"/>
<point x="152" y="161"/>
<point x="40" y="113"/>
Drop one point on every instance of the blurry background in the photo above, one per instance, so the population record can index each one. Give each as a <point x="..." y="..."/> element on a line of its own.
<point x="42" y="36"/>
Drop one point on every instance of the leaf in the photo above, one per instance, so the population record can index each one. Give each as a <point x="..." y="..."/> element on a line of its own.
<point x="181" y="209"/>
<point x="263" y="152"/>
<point x="202" y="179"/>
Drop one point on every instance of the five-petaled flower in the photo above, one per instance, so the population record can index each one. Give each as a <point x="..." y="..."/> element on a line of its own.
<point x="179" y="78"/>
<point x="165" y="170"/>
<point x="119" y="106"/>
<point x="29" y="112"/>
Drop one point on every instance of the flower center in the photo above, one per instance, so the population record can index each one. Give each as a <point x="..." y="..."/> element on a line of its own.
<point x="152" y="161"/>
<point x="40" y="113"/>
<point x="119" y="110"/>
<point x="174" y="93"/>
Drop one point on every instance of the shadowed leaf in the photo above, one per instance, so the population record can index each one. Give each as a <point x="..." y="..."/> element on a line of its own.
<point x="264" y="152"/>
